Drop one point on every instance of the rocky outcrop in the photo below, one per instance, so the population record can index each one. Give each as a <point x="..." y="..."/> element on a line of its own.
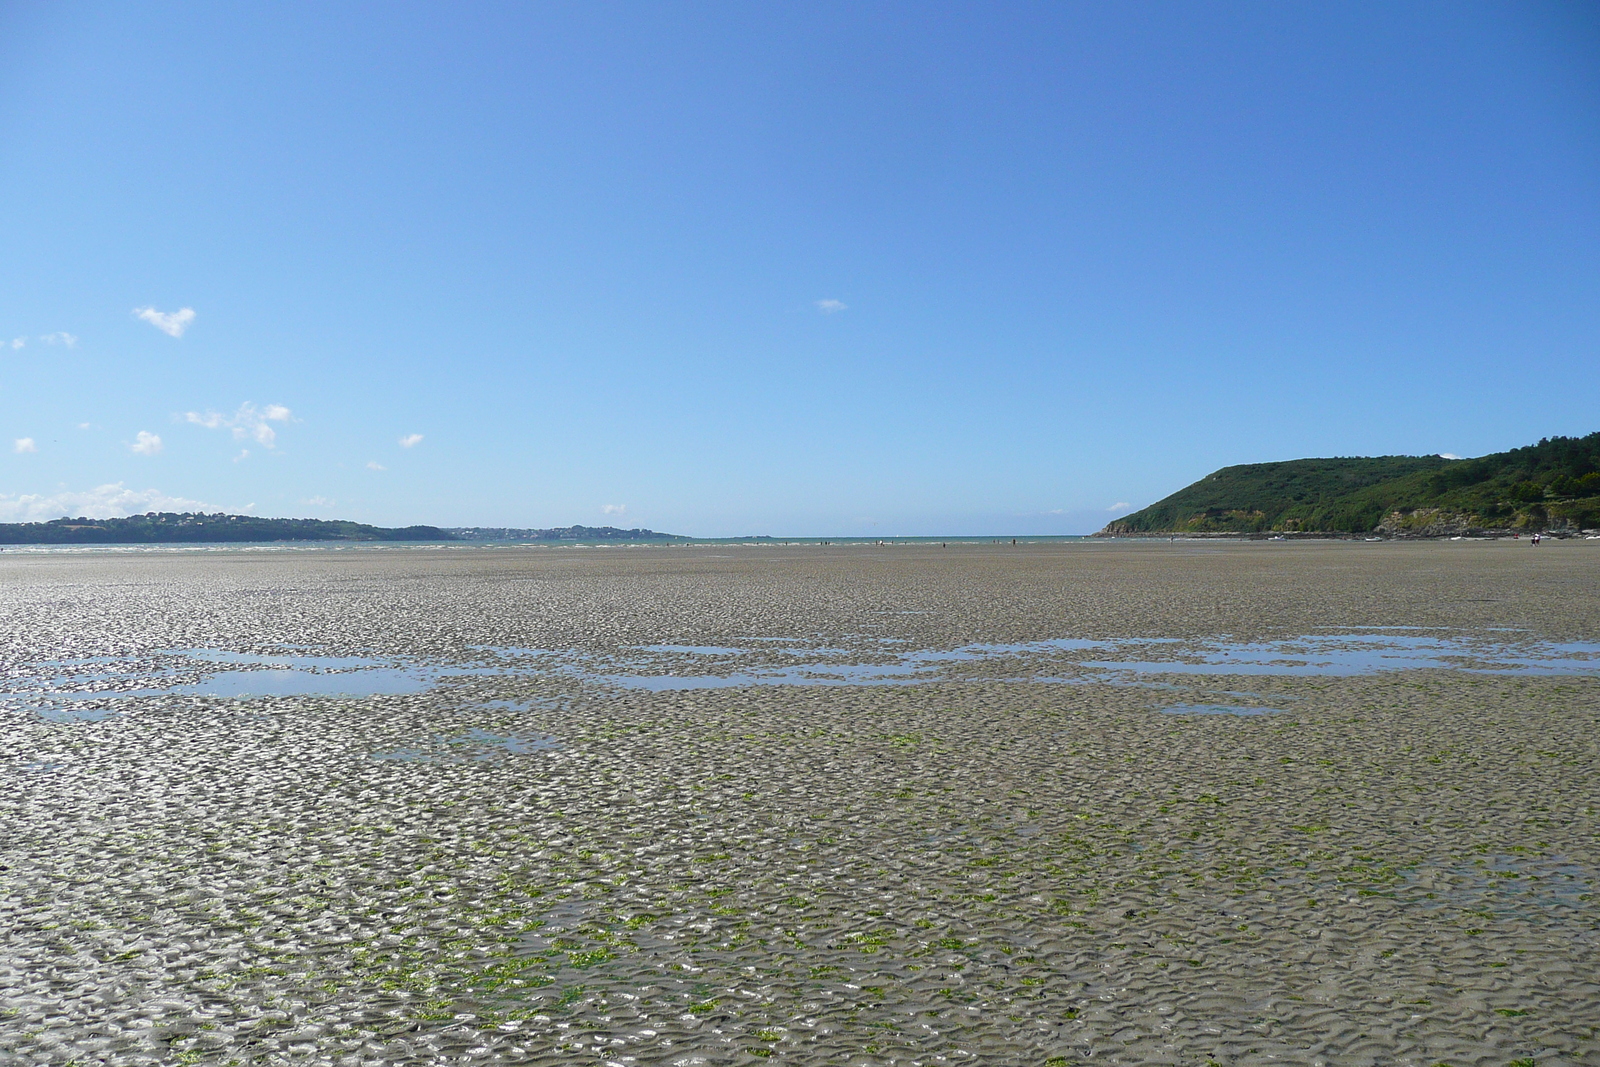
<point x="1433" y="522"/>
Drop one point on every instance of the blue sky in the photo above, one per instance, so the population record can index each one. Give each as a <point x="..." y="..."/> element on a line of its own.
<point x="798" y="269"/>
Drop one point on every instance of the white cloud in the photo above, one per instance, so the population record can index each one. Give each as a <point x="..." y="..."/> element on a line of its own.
<point x="244" y="453"/>
<point x="1448" y="455"/>
<point x="248" y="423"/>
<point x="828" y="307"/>
<point x="318" y="502"/>
<point x="171" y="323"/>
<point x="60" y="337"/>
<point x="1121" y="505"/>
<point x="146" y="444"/>
<point x="25" y="444"/>
<point x="614" y="509"/>
<point x="18" y="342"/>
<point x="104" y="502"/>
<point x="374" y="465"/>
<point x="411" y="440"/>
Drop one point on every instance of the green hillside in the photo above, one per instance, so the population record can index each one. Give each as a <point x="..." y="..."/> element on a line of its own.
<point x="168" y="527"/>
<point x="1553" y="485"/>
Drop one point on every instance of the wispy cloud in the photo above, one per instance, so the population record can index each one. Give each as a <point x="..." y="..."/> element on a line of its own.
<point x="829" y="307"/>
<point x="60" y="337"/>
<point x="25" y="444"/>
<point x="411" y="440"/>
<point x="318" y="502"/>
<point x="374" y="465"/>
<point x="1121" y="505"/>
<point x="146" y="444"/>
<point x="19" y="342"/>
<point x="1448" y="455"/>
<point x="171" y="323"/>
<point x="614" y="509"/>
<point x="249" y="423"/>
<point x="103" y="502"/>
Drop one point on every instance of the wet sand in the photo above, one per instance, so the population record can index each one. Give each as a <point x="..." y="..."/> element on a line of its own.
<point x="1018" y="861"/>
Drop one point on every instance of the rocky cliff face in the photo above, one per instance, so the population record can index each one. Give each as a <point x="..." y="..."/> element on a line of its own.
<point x="1432" y="522"/>
<point x="1439" y="522"/>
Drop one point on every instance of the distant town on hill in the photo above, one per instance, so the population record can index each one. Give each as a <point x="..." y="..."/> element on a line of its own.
<point x="1553" y="486"/>
<point x="196" y="527"/>
<point x="559" y="533"/>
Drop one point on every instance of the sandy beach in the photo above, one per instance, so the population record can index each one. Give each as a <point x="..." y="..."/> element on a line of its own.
<point x="1133" y="803"/>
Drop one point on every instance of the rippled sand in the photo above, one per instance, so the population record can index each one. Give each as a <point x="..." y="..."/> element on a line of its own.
<point x="534" y="866"/>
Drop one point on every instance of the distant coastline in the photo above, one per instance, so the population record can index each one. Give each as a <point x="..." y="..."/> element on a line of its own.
<point x="1552" y="487"/>
<point x="558" y="533"/>
<point x="196" y="528"/>
<point x="200" y="528"/>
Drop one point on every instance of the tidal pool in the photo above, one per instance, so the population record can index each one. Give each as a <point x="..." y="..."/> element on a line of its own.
<point x="81" y="688"/>
<point x="95" y="688"/>
<point x="1338" y="653"/>
<point x="290" y="682"/>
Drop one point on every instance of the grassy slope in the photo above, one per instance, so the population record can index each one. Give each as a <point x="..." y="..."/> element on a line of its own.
<point x="1555" y="483"/>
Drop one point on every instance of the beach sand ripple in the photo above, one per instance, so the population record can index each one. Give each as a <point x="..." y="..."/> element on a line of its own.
<point x="535" y="866"/>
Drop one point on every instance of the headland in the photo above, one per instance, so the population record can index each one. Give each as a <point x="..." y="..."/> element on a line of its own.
<point x="1552" y="487"/>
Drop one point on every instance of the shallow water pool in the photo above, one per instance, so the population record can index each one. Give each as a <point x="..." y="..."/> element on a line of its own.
<point x="95" y="687"/>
